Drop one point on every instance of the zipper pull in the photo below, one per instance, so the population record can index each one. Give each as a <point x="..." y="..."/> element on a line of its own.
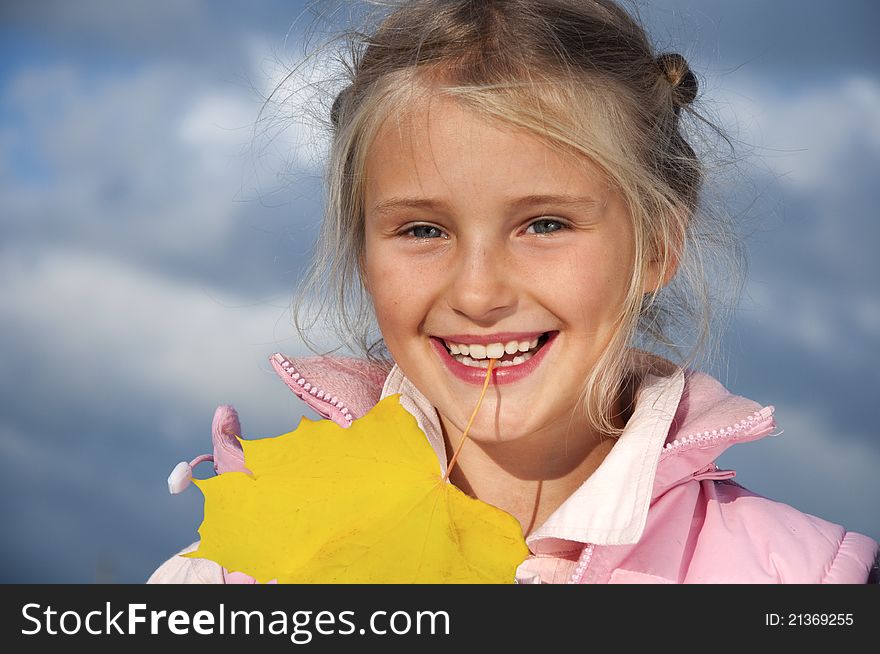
<point x="181" y="476"/>
<point x="712" y="471"/>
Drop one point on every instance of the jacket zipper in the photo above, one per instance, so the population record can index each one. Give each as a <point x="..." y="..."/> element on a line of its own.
<point x="705" y="437"/>
<point x="582" y="564"/>
<point x="314" y="390"/>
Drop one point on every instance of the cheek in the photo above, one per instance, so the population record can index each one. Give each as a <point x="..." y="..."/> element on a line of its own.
<point x="395" y="296"/>
<point x="392" y="317"/>
<point x="597" y="288"/>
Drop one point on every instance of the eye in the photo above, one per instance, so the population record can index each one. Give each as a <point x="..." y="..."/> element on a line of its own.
<point x="422" y="231"/>
<point x="547" y="226"/>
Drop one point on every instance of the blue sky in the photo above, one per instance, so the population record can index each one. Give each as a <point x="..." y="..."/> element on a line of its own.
<point x="151" y="237"/>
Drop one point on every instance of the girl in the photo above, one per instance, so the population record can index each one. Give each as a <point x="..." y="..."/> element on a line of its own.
<point x="512" y="193"/>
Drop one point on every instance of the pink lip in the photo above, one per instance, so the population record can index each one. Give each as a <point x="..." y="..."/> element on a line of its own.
<point x="501" y="337"/>
<point x="507" y="375"/>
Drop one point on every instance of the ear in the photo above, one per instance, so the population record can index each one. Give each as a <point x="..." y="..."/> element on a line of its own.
<point x="663" y="265"/>
<point x="659" y="273"/>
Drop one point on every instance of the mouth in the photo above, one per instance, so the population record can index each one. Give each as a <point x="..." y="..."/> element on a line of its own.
<point x="506" y="355"/>
<point x="514" y="360"/>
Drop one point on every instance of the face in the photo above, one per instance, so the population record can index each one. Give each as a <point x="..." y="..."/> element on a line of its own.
<point x="465" y="246"/>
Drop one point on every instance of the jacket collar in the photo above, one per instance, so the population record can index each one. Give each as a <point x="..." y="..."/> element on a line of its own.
<point x="611" y="506"/>
<point x="682" y="421"/>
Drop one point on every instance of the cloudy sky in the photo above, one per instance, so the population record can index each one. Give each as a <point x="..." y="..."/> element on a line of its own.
<point x="152" y="231"/>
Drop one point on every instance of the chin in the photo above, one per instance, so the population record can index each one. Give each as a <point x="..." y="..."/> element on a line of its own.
<point x="506" y="431"/>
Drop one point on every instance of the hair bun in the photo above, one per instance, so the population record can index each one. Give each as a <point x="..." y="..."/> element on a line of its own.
<point x="683" y="81"/>
<point x="339" y="105"/>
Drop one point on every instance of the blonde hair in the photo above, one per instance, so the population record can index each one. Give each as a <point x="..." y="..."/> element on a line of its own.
<point x="581" y="75"/>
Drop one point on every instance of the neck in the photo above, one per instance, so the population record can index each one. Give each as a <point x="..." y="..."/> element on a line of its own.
<point x="529" y="477"/>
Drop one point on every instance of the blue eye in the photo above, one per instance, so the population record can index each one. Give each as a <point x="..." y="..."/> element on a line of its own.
<point x="423" y="231"/>
<point x="546" y="221"/>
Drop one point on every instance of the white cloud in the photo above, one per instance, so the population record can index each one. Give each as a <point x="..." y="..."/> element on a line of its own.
<point x="814" y="283"/>
<point x="866" y="312"/>
<point x="119" y="172"/>
<point x="839" y="325"/>
<point x="89" y="325"/>
<point x="217" y="124"/>
<point x="143" y="168"/>
<point x="812" y="137"/>
<point x="299" y="91"/>
<point x="151" y="161"/>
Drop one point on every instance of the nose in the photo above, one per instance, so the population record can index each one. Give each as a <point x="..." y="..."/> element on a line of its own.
<point x="482" y="287"/>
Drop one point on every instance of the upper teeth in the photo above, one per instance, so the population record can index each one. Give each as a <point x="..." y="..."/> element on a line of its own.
<point x="492" y="350"/>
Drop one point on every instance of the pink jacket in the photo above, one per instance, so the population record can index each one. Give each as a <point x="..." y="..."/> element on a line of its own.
<point x="657" y="510"/>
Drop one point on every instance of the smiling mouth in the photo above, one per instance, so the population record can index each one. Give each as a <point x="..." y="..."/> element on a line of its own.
<point x="506" y="360"/>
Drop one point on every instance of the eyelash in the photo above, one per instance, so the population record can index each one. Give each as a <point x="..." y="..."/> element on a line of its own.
<point x="408" y="231"/>
<point x="562" y="226"/>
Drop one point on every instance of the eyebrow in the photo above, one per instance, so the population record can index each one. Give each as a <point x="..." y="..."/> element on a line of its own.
<point x="393" y="203"/>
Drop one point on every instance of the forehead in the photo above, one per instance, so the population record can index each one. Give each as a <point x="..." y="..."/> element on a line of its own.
<point x="440" y="147"/>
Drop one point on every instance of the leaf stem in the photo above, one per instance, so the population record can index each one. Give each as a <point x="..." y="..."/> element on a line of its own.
<point x="473" y="415"/>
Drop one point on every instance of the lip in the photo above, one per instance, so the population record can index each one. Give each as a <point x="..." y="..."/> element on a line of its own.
<point x="507" y="375"/>
<point x="501" y="337"/>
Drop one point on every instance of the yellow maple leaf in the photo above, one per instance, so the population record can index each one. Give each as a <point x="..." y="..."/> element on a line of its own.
<point x="365" y="504"/>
